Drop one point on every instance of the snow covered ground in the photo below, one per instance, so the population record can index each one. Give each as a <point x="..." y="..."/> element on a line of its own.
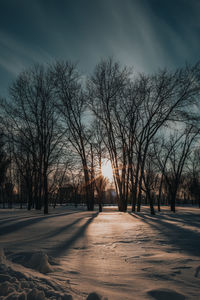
<point x="69" y="254"/>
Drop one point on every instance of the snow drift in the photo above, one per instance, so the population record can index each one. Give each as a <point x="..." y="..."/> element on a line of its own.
<point x="20" y="283"/>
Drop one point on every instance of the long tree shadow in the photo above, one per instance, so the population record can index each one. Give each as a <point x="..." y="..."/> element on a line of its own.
<point x="12" y="219"/>
<point x="185" y="239"/>
<point x="25" y="214"/>
<point x="48" y="235"/>
<point x="185" y="217"/>
<point x="64" y="246"/>
<point x="62" y="229"/>
<point x="16" y="226"/>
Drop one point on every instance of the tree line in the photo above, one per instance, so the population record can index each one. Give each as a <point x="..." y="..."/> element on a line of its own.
<point x="58" y="125"/>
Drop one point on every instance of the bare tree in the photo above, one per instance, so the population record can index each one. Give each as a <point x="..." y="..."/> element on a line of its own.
<point x="72" y="107"/>
<point x="192" y="180"/>
<point x="165" y="96"/>
<point x="177" y="151"/>
<point x="100" y="154"/>
<point x="32" y="123"/>
<point x="106" y="94"/>
<point x="132" y="111"/>
<point x="4" y="164"/>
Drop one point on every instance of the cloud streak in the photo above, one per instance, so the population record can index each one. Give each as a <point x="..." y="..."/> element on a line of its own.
<point x="144" y="34"/>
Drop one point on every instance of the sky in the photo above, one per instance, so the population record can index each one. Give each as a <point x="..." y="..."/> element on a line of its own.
<point x="145" y="34"/>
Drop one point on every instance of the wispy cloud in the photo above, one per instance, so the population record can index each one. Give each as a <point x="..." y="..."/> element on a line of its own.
<point x="15" y="56"/>
<point x="140" y="33"/>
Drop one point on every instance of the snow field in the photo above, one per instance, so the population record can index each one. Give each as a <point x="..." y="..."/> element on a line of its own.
<point x="68" y="254"/>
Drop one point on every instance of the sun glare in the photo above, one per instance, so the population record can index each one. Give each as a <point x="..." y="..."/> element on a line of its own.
<point x="107" y="170"/>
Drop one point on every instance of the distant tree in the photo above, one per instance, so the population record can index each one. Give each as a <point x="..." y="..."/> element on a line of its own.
<point x="71" y="104"/>
<point x="33" y="125"/>
<point x="4" y="160"/>
<point x="177" y="151"/>
<point x="150" y="178"/>
<point x="193" y="180"/>
<point x="4" y="164"/>
<point x="53" y="108"/>
<point x="165" y="97"/>
<point x="132" y="111"/>
<point x="105" y="97"/>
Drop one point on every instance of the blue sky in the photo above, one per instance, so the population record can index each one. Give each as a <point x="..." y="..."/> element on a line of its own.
<point x="145" y="34"/>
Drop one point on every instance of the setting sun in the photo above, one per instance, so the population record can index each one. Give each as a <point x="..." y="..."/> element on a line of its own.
<point x="107" y="170"/>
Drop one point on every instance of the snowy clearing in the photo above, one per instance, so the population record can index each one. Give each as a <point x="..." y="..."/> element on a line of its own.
<point x="69" y="254"/>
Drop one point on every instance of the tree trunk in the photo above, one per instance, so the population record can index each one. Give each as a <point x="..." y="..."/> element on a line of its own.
<point x="140" y="187"/>
<point x="134" y="189"/>
<point x="133" y="197"/>
<point x="151" y="205"/>
<point x="139" y="200"/>
<point x="30" y="200"/>
<point x="173" y="201"/>
<point x="100" y="207"/>
<point x="150" y="198"/>
<point x="158" y="204"/>
<point x="45" y="194"/>
<point x="160" y="192"/>
<point x="30" y="194"/>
